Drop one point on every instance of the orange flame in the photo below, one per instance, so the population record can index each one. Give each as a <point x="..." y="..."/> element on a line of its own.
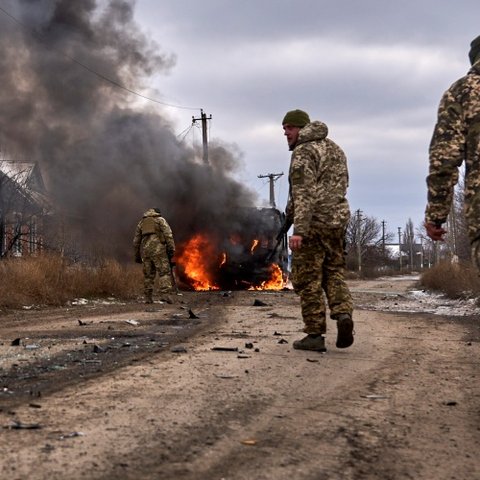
<point x="275" y="282"/>
<point x="194" y="259"/>
<point x="254" y="244"/>
<point x="224" y="259"/>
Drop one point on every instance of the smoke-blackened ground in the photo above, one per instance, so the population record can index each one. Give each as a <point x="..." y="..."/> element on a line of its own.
<point x="107" y="154"/>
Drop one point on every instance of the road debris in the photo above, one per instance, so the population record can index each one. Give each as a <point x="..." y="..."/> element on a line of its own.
<point x="178" y="349"/>
<point x="374" y="397"/>
<point x="18" y="425"/>
<point x="259" y="303"/>
<point x="71" y="435"/>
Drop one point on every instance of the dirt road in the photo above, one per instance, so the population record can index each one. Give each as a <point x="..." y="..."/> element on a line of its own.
<point x="121" y="391"/>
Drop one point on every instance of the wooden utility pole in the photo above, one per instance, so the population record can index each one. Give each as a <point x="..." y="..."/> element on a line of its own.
<point x="383" y="238"/>
<point x="203" y="118"/>
<point x="272" y="177"/>
<point x="400" y="247"/>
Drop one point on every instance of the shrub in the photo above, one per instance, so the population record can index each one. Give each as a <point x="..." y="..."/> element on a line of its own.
<point x="455" y="280"/>
<point x="51" y="280"/>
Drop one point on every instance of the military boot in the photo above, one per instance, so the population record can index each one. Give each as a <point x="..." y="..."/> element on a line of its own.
<point x="166" y="297"/>
<point x="344" y="331"/>
<point x="311" y="342"/>
<point x="148" y="297"/>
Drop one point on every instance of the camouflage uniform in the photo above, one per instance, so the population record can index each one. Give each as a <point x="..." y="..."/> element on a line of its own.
<point x="456" y="138"/>
<point x="319" y="210"/>
<point x="154" y="242"/>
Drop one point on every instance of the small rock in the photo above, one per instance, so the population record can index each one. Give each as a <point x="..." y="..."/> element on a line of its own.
<point x="178" y="349"/>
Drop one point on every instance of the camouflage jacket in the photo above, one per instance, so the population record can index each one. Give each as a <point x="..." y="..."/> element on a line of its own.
<point x="153" y="232"/>
<point x="318" y="179"/>
<point x="455" y="139"/>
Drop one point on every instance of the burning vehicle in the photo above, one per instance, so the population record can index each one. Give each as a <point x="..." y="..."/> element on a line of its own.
<point x="249" y="256"/>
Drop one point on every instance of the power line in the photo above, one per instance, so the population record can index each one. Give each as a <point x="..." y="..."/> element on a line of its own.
<point x="91" y="70"/>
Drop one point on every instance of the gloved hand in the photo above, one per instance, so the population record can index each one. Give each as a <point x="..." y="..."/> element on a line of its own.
<point x="435" y="232"/>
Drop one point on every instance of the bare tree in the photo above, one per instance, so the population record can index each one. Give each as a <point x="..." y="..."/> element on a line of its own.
<point x="366" y="239"/>
<point x="457" y="233"/>
<point x="23" y="205"/>
<point x="409" y="242"/>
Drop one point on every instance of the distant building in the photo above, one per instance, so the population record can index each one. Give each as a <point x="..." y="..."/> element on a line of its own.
<point x="24" y="206"/>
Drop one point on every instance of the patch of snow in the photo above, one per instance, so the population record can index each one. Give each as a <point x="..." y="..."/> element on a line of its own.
<point x="421" y="301"/>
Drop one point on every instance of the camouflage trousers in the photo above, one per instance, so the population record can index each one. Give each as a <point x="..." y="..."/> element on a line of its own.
<point x="318" y="272"/>
<point x="153" y="265"/>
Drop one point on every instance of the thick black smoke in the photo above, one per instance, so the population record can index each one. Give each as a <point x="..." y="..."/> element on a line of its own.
<point x="105" y="159"/>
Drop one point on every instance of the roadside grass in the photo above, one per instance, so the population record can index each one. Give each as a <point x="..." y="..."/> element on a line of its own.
<point x="455" y="280"/>
<point x="51" y="280"/>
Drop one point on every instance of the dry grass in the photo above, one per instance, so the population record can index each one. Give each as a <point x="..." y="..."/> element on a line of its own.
<point x="50" y="280"/>
<point x="455" y="280"/>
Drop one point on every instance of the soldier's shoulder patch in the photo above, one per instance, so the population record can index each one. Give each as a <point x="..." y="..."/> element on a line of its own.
<point x="297" y="175"/>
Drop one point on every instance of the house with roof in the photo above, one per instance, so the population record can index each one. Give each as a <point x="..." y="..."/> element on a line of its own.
<point x="24" y="208"/>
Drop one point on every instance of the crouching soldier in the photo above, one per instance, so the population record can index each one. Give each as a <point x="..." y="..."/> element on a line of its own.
<point x="154" y="247"/>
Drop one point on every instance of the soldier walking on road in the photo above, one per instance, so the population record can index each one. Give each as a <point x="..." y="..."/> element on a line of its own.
<point x="319" y="211"/>
<point x="456" y="138"/>
<point x="154" y="247"/>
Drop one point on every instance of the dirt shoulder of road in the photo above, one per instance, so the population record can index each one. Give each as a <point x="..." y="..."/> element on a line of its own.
<point x="210" y="388"/>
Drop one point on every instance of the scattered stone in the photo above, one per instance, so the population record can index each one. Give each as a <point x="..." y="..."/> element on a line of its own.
<point x="178" y="349"/>
<point x="191" y="314"/>
<point x="249" y="345"/>
<point x="71" y="435"/>
<point x="98" y="349"/>
<point x="259" y="303"/>
<point x="15" y="342"/>
<point x="225" y="349"/>
<point x="282" y="340"/>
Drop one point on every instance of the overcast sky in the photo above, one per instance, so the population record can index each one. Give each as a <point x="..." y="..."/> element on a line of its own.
<point x="372" y="70"/>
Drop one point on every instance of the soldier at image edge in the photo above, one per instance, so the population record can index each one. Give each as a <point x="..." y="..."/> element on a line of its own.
<point x="456" y="138"/>
<point x="154" y="247"/>
<point x="319" y="211"/>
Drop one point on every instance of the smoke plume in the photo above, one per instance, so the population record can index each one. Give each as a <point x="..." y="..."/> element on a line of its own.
<point x="105" y="159"/>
